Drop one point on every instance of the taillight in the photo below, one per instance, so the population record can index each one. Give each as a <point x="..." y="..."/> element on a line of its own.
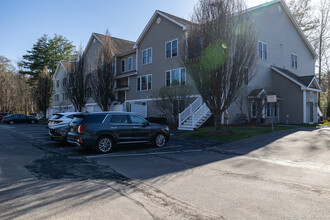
<point x="81" y="129"/>
<point x="5" y="118"/>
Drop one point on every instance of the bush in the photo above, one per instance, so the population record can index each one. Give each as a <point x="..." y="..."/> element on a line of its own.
<point x="158" y="120"/>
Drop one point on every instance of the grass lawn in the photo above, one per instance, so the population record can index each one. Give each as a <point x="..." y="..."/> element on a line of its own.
<point x="231" y="133"/>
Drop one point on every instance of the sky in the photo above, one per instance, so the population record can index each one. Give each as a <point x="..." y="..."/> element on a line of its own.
<point x="22" y="22"/>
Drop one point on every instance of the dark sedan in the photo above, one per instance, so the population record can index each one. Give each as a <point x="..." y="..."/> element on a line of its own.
<point x="19" y="118"/>
<point x="103" y="130"/>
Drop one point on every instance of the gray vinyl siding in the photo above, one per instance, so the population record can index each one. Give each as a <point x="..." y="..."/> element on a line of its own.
<point x="156" y="37"/>
<point x="61" y="74"/>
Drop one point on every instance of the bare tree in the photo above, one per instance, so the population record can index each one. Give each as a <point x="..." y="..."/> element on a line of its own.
<point x="221" y="47"/>
<point x="43" y="91"/>
<point x="303" y="12"/>
<point x="170" y="101"/>
<point x="77" y="83"/>
<point x="103" y="79"/>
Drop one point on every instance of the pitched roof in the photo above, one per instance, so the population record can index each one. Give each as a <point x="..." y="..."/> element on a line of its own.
<point x="122" y="46"/>
<point x="67" y="65"/>
<point x="303" y="80"/>
<point x="178" y="19"/>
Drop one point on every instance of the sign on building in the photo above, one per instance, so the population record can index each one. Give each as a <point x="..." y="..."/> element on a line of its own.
<point x="271" y="98"/>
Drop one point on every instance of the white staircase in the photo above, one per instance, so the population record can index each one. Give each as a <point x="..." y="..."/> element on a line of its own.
<point x="194" y="115"/>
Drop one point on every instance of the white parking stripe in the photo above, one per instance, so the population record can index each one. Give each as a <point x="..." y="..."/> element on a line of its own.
<point x="141" y="154"/>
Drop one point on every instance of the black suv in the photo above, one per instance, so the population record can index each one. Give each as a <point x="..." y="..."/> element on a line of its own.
<point x="105" y="129"/>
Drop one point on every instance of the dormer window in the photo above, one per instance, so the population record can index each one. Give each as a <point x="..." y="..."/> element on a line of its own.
<point x="262" y="50"/>
<point x="171" y="48"/>
<point x="294" y="61"/>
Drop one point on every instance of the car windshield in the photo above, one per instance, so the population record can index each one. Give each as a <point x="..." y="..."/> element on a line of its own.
<point x="56" y="116"/>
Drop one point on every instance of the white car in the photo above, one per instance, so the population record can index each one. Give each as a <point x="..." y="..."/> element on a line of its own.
<point x="61" y="119"/>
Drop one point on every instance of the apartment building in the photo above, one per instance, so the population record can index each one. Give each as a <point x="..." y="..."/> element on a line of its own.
<point x="285" y="68"/>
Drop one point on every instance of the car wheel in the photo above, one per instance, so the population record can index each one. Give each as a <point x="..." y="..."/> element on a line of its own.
<point x="105" y="144"/>
<point x="11" y="122"/>
<point x="160" y="140"/>
<point x="33" y="122"/>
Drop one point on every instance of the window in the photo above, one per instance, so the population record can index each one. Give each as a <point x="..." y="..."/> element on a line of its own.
<point x="65" y="96"/>
<point x="262" y="50"/>
<point x="65" y="80"/>
<point x="122" y="66"/>
<point x="121" y="119"/>
<point x="254" y="109"/>
<point x="176" y="77"/>
<point x="171" y="48"/>
<point x="57" y="97"/>
<point x="294" y="61"/>
<point x="57" y="83"/>
<point x="270" y="108"/>
<point x="130" y="63"/>
<point x="137" y="120"/>
<point x="144" y="82"/>
<point x="147" y="56"/>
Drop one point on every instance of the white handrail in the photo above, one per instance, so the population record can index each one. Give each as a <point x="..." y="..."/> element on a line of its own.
<point x="203" y="110"/>
<point x="190" y="110"/>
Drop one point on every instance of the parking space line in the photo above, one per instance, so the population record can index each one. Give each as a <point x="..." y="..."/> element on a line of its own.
<point x="142" y="154"/>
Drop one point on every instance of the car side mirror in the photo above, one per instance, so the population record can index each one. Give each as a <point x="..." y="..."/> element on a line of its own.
<point x="145" y="124"/>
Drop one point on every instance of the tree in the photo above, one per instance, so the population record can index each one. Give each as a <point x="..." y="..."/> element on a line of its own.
<point x="77" y="83"/>
<point x="303" y="12"/>
<point x="103" y="79"/>
<point x="170" y="101"/>
<point x="15" y="94"/>
<point x="43" y="91"/>
<point x="46" y="52"/>
<point x="221" y="52"/>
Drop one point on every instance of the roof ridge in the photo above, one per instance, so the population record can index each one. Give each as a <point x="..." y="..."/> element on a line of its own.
<point x="113" y="37"/>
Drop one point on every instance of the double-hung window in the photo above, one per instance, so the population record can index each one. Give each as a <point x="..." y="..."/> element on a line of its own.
<point x="147" y="56"/>
<point x="143" y="83"/>
<point x="130" y="63"/>
<point x="123" y="66"/>
<point x="175" y="77"/>
<point x="294" y="61"/>
<point x="171" y="48"/>
<point x="262" y="50"/>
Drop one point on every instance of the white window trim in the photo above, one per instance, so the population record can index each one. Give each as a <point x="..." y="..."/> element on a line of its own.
<point x="147" y="56"/>
<point x="295" y="62"/>
<point x="128" y="59"/>
<point x="121" y="65"/>
<point x="177" y="47"/>
<point x="262" y="50"/>
<point x="179" y="76"/>
<point x="139" y="78"/>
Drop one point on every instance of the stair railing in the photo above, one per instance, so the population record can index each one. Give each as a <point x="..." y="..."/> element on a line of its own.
<point x="201" y="112"/>
<point x="190" y="110"/>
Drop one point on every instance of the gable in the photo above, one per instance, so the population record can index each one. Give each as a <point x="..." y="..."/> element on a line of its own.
<point x="282" y="7"/>
<point x="181" y="23"/>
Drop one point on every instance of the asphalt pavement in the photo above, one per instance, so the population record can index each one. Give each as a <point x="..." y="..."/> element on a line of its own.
<point x="274" y="176"/>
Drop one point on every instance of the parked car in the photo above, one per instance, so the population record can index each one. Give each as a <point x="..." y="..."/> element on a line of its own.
<point x="102" y="131"/>
<point x="37" y="115"/>
<point x="60" y="119"/>
<point x="3" y="114"/>
<point x="19" y="118"/>
<point x="59" y="133"/>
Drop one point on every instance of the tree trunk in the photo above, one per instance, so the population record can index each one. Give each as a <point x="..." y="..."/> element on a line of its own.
<point x="217" y="121"/>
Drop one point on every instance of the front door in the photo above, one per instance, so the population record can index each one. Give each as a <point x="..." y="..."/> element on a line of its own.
<point x="311" y="112"/>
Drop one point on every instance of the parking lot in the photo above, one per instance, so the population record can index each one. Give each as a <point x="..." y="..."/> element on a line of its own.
<point x="279" y="175"/>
